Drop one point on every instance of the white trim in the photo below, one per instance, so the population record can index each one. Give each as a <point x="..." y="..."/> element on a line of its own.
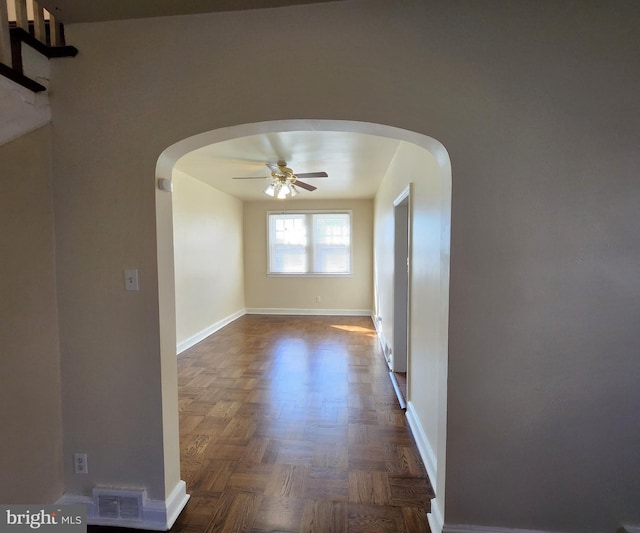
<point x="168" y="158"/>
<point x="75" y="499"/>
<point x="401" y="399"/>
<point x="307" y="275"/>
<point x="425" y="449"/>
<point x="435" y="517"/>
<point x="469" y="528"/>
<point x="158" y="515"/>
<point x="201" y="335"/>
<point x="397" y="326"/>
<point x="176" y="502"/>
<point x="404" y="194"/>
<point x="313" y="312"/>
<point x="377" y="321"/>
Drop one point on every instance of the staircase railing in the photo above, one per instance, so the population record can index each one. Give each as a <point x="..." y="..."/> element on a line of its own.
<point x="26" y="21"/>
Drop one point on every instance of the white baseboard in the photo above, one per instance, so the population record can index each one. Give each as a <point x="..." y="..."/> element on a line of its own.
<point x="425" y="449"/>
<point x="75" y="499"/>
<point x="435" y="517"/>
<point x="466" y="528"/>
<point x="176" y="501"/>
<point x="157" y="515"/>
<point x="201" y="335"/>
<point x="311" y="312"/>
<point x="384" y="346"/>
<point x="470" y="528"/>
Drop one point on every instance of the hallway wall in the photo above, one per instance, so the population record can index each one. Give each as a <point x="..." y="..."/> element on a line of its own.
<point x="536" y="104"/>
<point x="429" y="222"/>
<point x="207" y="225"/>
<point x="30" y="410"/>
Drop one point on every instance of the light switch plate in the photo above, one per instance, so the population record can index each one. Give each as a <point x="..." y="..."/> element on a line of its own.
<point x="131" y="280"/>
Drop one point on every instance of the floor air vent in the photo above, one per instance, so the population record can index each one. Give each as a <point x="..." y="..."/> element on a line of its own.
<point x="108" y="506"/>
<point x="129" y="508"/>
<point x="119" y="505"/>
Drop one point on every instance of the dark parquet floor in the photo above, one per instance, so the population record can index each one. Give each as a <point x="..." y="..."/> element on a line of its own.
<point x="291" y="424"/>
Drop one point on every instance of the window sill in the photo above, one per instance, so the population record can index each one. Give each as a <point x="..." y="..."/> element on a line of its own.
<point x="307" y="275"/>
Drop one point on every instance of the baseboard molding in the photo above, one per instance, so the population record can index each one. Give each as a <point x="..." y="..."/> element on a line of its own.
<point x="201" y="335"/>
<point x="436" y="517"/>
<point x="157" y="515"/>
<point x="469" y="528"/>
<point x="309" y="312"/>
<point x="401" y="399"/>
<point x="425" y="449"/>
<point x="466" y="528"/>
<point x="384" y="346"/>
<point x="75" y="499"/>
<point x="176" y="501"/>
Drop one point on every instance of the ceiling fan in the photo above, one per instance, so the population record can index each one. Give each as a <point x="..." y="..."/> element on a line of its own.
<point x="283" y="181"/>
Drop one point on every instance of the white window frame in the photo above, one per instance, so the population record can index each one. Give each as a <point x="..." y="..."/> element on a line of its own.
<point x="309" y="212"/>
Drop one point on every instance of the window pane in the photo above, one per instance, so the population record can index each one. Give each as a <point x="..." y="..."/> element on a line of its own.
<point x="288" y="242"/>
<point x="331" y="243"/>
<point x="310" y="243"/>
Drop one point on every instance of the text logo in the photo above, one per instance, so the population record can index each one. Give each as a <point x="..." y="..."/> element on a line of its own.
<point x="43" y="518"/>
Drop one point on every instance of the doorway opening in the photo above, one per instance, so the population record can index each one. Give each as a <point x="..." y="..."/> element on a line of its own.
<point x="401" y="294"/>
<point x="424" y="222"/>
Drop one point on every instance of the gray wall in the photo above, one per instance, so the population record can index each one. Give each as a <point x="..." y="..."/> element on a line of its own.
<point x="537" y="106"/>
<point x="30" y="412"/>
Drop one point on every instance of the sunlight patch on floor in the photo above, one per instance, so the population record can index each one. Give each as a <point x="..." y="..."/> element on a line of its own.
<point x="355" y="329"/>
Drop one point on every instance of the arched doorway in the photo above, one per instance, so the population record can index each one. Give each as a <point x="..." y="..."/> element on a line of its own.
<point x="422" y="161"/>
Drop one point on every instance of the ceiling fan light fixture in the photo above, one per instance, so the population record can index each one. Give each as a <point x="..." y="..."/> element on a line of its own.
<point x="283" y="191"/>
<point x="282" y="181"/>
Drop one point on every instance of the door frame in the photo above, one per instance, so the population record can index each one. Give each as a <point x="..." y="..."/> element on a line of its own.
<point x="402" y="284"/>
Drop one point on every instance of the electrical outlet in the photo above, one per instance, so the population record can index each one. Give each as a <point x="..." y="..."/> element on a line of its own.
<point x="318" y="299"/>
<point x="80" y="465"/>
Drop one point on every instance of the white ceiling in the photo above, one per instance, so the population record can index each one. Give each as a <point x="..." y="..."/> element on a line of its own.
<point x="355" y="162"/>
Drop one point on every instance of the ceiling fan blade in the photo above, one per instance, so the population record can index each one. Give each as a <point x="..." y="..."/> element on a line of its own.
<point x="274" y="168"/>
<point x="249" y="178"/>
<point x="304" y="185"/>
<point x="306" y="175"/>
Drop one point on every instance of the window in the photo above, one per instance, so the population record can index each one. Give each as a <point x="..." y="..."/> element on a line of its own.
<point x="310" y="242"/>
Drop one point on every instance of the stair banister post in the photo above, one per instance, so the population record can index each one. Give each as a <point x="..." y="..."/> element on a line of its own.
<point x="39" y="28"/>
<point x="22" y="19"/>
<point x="5" y="40"/>
<point x="55" y="35"/>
